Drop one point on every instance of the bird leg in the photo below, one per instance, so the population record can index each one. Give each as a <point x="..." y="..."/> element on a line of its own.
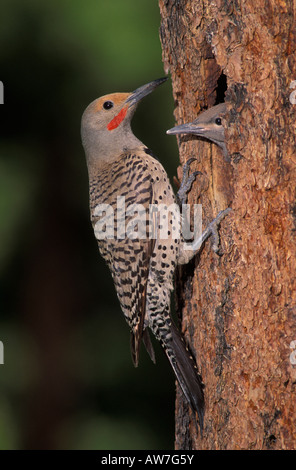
<point x="211" y="230"/>
<point x="189" y="250"/>
<point x="186" y="182"/>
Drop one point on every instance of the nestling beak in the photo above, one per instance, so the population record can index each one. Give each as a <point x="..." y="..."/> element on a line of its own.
<point x="144" y="90"/>
<point x="186" y="129"/>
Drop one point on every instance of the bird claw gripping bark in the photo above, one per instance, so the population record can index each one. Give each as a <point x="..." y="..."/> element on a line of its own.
<point x="212" y="229"/>
<point x="185" y="255"/>
<point x="186" y="182"/>
<point x="181" y="196"/>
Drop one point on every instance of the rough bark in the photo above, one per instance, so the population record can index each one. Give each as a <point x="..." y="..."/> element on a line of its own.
<point x="238" y="309"/>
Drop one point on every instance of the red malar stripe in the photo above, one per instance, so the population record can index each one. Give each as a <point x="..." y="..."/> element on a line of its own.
<point x="117" y="120"/>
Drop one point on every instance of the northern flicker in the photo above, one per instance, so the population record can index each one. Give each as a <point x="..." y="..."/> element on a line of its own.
<point x="208" y="124"/>
<point x="121" y="166"/>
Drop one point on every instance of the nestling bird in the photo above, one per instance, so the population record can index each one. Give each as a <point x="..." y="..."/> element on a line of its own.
<point x="121" y="166"/>
<point x="208" y="124"/>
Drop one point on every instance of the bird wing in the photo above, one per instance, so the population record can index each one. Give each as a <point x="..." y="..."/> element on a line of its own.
<point x="129" y="258"/>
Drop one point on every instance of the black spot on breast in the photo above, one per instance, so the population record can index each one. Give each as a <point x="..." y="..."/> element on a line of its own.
<point x="149" y="152"/>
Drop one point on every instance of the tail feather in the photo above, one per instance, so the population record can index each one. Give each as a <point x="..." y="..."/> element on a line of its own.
<point x="187" y="375"/>
<point x="148" y="345"/>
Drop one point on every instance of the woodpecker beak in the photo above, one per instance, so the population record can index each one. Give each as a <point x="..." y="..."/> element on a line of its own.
<point x="144" y="90"/>
<point x="186" y="129"/>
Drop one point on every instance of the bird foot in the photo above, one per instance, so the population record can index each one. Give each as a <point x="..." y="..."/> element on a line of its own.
<point x="212" y="229"/>
<point x="186" y="183"/>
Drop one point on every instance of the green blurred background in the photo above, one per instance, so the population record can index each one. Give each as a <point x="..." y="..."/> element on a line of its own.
<point x="68" y="381"/>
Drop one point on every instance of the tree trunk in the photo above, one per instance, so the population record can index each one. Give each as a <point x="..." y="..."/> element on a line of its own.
<point x="239" y="309"/>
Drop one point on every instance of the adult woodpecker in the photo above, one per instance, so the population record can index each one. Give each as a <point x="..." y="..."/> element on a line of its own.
<point x="121" y="166"/>
<point x="208" y="124"/>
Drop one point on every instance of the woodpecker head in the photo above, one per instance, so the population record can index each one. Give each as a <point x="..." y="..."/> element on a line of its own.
<point x="208" y="124"/>
<point x="106" y="123"/>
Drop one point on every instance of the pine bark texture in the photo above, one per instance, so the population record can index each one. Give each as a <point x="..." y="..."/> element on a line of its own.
<point x="239" y="309"/>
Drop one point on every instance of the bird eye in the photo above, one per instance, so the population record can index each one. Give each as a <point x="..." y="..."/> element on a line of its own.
<point x="218" y="121"/>
<point x="108" y="105"/>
